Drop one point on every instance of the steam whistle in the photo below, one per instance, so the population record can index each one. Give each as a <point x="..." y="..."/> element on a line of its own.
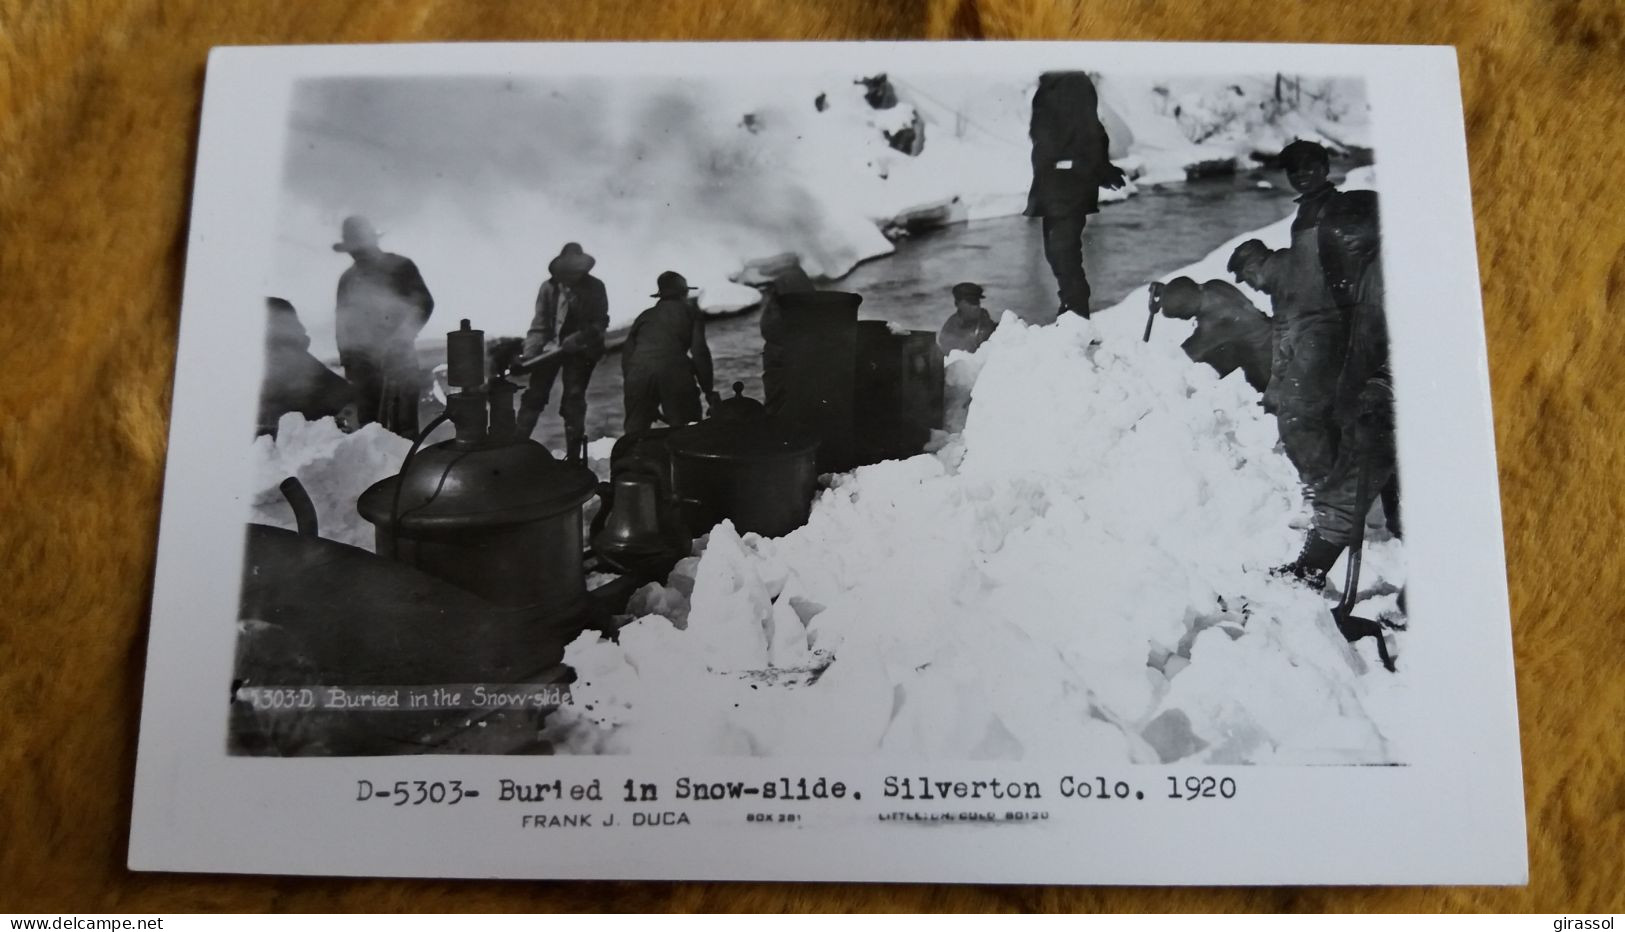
<point x="465" y="371"/>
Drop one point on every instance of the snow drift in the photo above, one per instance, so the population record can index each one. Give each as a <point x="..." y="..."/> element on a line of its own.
<point x="1082" y="571"/>
<point x="334" y="467"/>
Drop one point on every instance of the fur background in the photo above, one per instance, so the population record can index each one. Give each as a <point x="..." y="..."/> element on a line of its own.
<point x="99" y="106"/>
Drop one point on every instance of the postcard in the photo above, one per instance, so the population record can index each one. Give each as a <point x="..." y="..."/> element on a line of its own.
<point x="953" y="462"/>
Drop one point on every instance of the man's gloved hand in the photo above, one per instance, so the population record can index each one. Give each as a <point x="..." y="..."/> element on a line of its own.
<point x="1114" y="177"/>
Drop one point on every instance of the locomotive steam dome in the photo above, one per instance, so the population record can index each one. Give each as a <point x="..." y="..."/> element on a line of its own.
<point x="454" y="487"/>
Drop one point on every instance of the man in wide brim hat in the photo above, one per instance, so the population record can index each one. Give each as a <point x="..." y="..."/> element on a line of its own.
<point x="356" y="235"/>
<point x="382" y="305"/>
<point x="571" y="262"/>
<point x="665" y="362"/>
<point x="672" y="285"/>
<point x="572" y="309"/>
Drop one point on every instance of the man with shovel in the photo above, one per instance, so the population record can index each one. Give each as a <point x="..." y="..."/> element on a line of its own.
<point x="566" y="334"/>
<point x="1231" y="333"/>
<point x="1363" y="402"/>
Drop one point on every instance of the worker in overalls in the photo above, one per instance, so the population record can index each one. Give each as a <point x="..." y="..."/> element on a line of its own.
<point x="1309" y="357"/>
<point x="571" y="317"/>
<point x="1231" y="333"/>
<point x="665" y="362"/>
<point x="1363" y="401"/>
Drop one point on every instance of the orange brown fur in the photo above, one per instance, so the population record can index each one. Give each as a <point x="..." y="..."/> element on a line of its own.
<point x="98" y="115"/>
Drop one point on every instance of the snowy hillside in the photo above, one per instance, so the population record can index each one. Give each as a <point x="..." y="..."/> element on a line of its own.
<point x="480" y="181"/>
<point x="1181" y="122"/>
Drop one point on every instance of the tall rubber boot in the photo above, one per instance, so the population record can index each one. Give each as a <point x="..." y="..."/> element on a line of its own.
<point x="1313" y="563"/>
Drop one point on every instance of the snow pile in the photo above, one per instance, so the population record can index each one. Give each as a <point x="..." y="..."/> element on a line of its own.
<point x="334" y="467"/>
<point x="1081" y="571"/>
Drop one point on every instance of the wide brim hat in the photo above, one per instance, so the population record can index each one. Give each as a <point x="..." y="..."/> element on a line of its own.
<point x="357" y="233"/>
<point x="672" y="285"/>
<point x="571" y="260"/>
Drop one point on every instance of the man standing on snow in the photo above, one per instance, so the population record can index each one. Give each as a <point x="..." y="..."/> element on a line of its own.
<point x="970" y="324"/>
<point x="1363" y="401"/>
<point x="1070" y="165"/>
<point x="665" y="362"/>
<point x="1309" y="356"/>
<point x="1230" y="332"/>
<point x="382" y="305"/>
<point x="572" y="315"/>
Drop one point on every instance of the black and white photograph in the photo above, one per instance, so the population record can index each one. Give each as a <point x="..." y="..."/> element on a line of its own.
<point x="815" y="415"/>
<point x="885" y="408"/>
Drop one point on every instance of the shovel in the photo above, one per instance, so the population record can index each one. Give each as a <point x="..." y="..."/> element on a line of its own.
<point x="1353" y="626"/>
<point x="520" y="366"/>
<point x="1151" y="318"/>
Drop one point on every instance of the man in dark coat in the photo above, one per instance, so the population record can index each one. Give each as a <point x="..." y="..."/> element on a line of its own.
<point x="1310" y="330"/>
<point x="382" y="305"/>
<point x="790" y="281"/>
<point x="1310" y="356"/>
<point x="571" y="315"/>
<point x="1230" y="332"/>
<point x="1363" y="401"/>
<point x="970" y="325"/>
<point x="1264" y="269"/>
<point x="665" y="362"/>
<point x="295" y="380"/>
<point x="1070" y="164"/>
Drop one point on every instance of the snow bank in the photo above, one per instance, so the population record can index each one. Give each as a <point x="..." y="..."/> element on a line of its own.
<point x="1082" y="570"/>
<point x="334" y="467"/>
<point x="1180" y="122"/>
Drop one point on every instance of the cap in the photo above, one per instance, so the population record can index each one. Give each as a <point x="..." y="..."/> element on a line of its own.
<point x="968" y="290"/>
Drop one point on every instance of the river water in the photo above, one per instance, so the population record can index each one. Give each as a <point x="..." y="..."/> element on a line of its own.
<point x="1126" y="245"/>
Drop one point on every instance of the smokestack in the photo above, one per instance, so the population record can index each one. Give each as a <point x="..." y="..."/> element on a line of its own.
<point x="820" y="350"/>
